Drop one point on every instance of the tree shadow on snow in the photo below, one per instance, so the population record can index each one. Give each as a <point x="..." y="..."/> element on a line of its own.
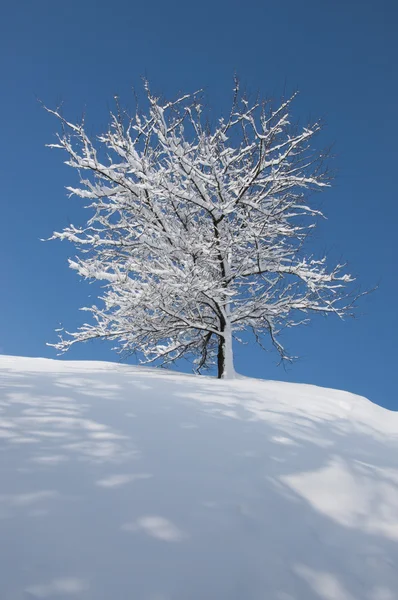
<point x="143" y="484"/>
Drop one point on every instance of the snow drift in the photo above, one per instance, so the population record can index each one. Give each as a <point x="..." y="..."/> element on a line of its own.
<point x="121" y="483"/>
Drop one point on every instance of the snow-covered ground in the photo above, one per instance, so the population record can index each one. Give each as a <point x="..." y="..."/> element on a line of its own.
<point x="120" y="483"/>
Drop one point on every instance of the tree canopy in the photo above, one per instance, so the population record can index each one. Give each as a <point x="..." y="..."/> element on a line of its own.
<point x="199" y="231"/>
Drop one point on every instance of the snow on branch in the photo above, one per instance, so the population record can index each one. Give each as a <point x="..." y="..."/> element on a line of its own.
<point x="199" y="231"/>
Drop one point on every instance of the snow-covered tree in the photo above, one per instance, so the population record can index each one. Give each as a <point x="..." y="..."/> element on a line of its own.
<point x="198" y="231"/>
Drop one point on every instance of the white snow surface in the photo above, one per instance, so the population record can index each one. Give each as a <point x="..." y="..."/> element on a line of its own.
<point x="126" y="483"/>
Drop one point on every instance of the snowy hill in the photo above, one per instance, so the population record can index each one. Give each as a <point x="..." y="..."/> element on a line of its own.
<point x="119" y="483"/>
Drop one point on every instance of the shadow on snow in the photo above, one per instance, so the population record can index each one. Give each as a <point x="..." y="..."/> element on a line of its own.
<point x="121" y="483"/>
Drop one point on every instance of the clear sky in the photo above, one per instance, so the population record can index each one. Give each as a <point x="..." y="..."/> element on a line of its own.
<point x="342" y="55"/>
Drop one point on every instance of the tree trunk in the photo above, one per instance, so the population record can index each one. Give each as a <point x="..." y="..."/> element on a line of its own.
<point x="225" y="359"/>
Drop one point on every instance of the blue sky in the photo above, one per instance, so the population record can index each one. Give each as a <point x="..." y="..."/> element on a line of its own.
<point x="342" y="56"/>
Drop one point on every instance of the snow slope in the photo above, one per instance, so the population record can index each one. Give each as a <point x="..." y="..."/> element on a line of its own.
<point x="120" y="483"/>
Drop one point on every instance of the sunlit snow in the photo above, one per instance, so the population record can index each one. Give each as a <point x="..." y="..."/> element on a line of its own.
<point x="125" y="483"/>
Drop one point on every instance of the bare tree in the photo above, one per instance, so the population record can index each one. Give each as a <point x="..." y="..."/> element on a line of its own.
<point x="198" y="231"/>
